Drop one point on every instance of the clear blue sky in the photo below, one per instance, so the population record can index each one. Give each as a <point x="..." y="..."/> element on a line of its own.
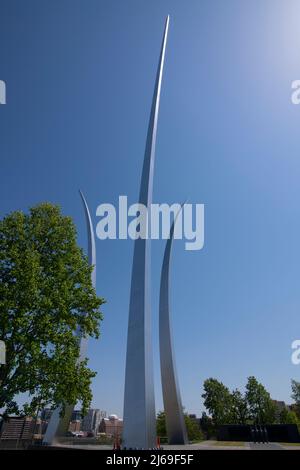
<point x="80" y="77"/>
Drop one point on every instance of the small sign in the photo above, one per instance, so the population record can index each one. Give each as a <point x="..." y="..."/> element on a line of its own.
<point x="2" y="352"/>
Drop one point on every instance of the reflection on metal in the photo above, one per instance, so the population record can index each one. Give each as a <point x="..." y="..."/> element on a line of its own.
<point x="176" y="429"/>
<point x="92" y="262"/>
<point x="139" y="405"/>
<point x="91" y="239"/>
<point x="58" y="426"/>
<point x="2" y="352"/>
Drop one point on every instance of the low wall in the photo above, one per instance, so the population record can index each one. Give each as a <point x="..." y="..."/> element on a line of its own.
<point x="275" y="433"/>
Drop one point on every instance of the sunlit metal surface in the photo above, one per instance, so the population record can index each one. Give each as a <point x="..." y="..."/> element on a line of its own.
<point x="176" y="429"/>
<point x="139" y="403"/>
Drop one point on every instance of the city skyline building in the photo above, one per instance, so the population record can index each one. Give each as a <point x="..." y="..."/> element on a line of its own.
<point x="111" y="426"/>
<point x="92" y="420"/>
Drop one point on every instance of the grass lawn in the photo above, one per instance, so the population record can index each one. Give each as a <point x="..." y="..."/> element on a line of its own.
<point x="289" y="443"/>
<point x="229" y="443"/>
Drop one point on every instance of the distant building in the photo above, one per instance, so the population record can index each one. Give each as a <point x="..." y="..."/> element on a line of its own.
<point x="75" y="426"/>
<point x="46" y="414"/>
<point x="279" y="407"/>
<point x="40" y="428"/>
<point x="76" y="415"/>
<point x="92" y="420"/>
<point x="111" y="426"/>
<point x="279" y="404"/>
<point x="17" y="428"/>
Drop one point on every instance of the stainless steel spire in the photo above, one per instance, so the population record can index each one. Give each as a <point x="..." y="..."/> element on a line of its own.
<point x="139" y="404"/>
<point x="58" y="426"/>
<point x="176" y="429"/>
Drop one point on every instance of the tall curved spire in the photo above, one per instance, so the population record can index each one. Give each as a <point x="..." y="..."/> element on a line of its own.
<point x="92" y="262"/>
<point x="139" y="403"/>
<point x="58" y="426"/>
<point x="91" y="239"/>
<point x="175" y="424"/>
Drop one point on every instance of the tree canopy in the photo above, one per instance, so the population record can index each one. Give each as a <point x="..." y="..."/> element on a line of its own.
<point x="218" y="401"/>
<point x="46" y="294"/>
<point x="226" y="407"/>
<point x="296" y="392"/>
<point x="296" y="397"/>
<point x="192" y="427"/>
<point x="261" y="407"/>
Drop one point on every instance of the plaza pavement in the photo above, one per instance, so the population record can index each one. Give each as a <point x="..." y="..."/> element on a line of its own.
<point x="204" y="445"/>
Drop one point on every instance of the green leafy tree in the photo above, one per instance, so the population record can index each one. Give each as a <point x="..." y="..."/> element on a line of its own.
<point x="239" y="409"/>
<point x="262" y="409"/>
<point x="288" y="417"/>
<point x="296" y="396"/>
<point x="192" y="427"/>
<point x="207" y="426"/>
<point x="161" y="424"/>
<point x="45" y="295"/>
<point x="218" y="401"/>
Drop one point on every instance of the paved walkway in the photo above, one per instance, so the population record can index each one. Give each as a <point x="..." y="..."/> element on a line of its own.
<point x="208" y="445"/>
<point x="269" y="446"/>
<point x="204" y="445"/>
